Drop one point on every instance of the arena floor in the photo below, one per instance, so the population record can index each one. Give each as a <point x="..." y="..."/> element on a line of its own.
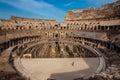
<point x="60" y="68"/>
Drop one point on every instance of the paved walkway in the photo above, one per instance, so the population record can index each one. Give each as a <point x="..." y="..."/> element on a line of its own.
<point x="60" y="68"/>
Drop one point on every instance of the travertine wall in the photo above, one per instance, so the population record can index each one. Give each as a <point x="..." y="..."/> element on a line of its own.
<point x="109" y="11"/>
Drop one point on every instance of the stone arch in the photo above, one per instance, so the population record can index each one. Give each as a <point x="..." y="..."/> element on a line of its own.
<point x="102" y="27"/>
<point x="85" y="27"/>
<point x="71" y="24"/>
<point x="68" y="24"/>
<point x="95" y="27"/>
<point x="21" y="27"/>
<point x="17" y="27"/>
<point x="82" y="25"/>
<point x="36" y="27"/>
<point x="67" y="27"/>
<point x="30" y="27"/>
<point x="56" y="26"/>
<point x="111" y="28"/>
<point x="99" y="27"/>
<point x="64" y="27"/>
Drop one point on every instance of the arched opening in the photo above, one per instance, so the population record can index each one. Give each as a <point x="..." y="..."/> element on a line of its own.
<point x="56" y="38"/>
<point x="99" y="27"/>
<point x="56" y="35"/>
<point x="102" y="27"/>
<point x="0" y="28"/>
<point x="17" y="27"/>
<point x="56" y="27"/>
<point x="29" y="27"/>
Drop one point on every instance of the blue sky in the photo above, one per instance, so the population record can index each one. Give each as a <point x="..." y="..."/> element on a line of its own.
<point x="45" y="9"/>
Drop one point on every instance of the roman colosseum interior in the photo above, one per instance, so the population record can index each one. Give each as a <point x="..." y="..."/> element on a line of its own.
<point x="86" y="46"/>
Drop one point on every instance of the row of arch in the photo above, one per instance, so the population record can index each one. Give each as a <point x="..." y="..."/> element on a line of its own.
<point x="16" y="41"/>
<point x="97" y="43"/>
<point x="83" y="27"/>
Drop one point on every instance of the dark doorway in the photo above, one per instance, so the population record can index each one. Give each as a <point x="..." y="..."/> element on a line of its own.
<point x="56" y="38"/>
<point x="56" y="35"/>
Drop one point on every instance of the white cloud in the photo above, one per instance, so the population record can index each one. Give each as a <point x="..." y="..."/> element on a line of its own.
<point x="68" y="4"/>
<point x="41" y="8"/>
